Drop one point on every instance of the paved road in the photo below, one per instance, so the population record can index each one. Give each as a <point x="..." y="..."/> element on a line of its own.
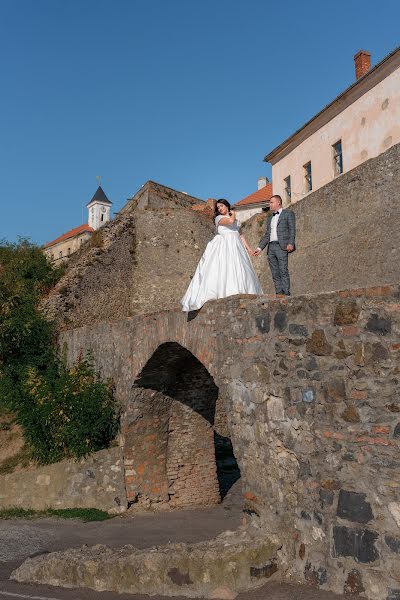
<point x="20" y="539"/>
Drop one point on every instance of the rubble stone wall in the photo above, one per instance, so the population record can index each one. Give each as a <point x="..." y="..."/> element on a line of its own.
<point x="312" y="394"/>
<point x="93" y="482"/>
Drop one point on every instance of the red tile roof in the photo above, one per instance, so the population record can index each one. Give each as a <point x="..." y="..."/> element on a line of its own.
<point x="262" y="195"/>
<point x="70" y="234"/>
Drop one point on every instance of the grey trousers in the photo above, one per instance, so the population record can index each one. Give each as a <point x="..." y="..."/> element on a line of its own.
<point x="278" y="263"/>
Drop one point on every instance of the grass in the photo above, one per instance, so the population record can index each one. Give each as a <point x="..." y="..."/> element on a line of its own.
<point x="84" y="514"/>
<point x="21" y="459"/>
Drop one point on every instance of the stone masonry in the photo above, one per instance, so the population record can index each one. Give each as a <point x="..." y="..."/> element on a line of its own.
<point x="96" y="481"/>
<point x="311" y="398"/>
<point x="348" y="232"/>
<point x="140" y="262"/>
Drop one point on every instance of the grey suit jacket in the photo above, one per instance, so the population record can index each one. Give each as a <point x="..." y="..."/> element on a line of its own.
<point x="286" y="230"/>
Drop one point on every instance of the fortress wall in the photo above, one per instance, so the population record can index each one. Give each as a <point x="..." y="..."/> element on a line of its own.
<point x="141" y="262"/>
<point x="312" y="392"/>
<point x="168" y="246"/>
<point x="348" y="232"/>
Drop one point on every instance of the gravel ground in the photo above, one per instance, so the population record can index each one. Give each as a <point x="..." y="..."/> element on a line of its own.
<point x="20" y="539"/>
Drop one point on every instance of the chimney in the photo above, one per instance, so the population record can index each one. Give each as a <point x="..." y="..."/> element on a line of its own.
<point x="362" y="61"/>
<point x="262" y="182"/>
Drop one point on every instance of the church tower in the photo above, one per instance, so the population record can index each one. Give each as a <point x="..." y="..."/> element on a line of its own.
<point x="99" y="209"/>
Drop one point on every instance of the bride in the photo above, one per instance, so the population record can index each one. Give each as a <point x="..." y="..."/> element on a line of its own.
<point x="225" y="268"/>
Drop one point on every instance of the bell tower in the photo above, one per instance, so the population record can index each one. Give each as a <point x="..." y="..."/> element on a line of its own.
<point x="99" y="209"/>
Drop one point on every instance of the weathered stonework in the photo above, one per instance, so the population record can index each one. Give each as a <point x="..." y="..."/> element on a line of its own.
<point x="310" y="387"/>
<point x="94" y="482"/>
<point x="143" y="260"/>
<point x="222" y="568"/>
<point x="341" y="243"/>
<point x="140" y="262"/>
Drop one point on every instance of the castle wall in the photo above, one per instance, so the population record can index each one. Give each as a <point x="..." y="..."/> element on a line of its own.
<point x="348" y="235"/>
<point x="348" y="232"/>
<point x="141" y="262"/>
<point x="311" y="386"/>
<point x="168" y="246"/>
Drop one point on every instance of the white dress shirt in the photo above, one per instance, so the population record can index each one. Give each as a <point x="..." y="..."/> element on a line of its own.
<point x="274" y="222"/>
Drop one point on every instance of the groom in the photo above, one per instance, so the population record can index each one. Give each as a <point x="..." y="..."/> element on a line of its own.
<point x="279" y="239"/>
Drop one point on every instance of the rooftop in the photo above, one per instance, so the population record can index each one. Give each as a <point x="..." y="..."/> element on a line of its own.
<point x="99" y="196"/>
<point x="70" y="234"/>
<point x="349" y="95"/>
<point x="262" y="195"/>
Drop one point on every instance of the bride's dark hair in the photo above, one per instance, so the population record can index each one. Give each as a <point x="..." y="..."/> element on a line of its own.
<point x="221" y="201"/>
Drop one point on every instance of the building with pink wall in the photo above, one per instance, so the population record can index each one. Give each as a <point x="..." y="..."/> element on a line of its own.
<point x="359" y="124"/>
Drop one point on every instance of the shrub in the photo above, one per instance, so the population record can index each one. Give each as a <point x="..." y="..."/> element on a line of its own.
<point x="64" y="411"/>
<point x="67" y="412"/>
<point x="96" y="239"/>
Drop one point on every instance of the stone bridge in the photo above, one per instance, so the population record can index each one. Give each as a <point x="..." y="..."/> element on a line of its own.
<point x="302" y="393"/>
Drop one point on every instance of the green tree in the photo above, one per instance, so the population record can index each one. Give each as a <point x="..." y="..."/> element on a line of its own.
<point x="64" y="411"/>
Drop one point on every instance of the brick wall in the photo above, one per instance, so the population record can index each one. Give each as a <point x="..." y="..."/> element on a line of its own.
<point x="169" y="434"/>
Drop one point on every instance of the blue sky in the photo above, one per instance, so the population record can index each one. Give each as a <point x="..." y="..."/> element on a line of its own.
<point x="191" y="94"/>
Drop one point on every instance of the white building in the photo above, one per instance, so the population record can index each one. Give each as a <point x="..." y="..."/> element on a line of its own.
<point x="359" y="124"/>
<point x="256" y="202"/>
<point x="60" y="249"/>
<point x="99" y="209"/>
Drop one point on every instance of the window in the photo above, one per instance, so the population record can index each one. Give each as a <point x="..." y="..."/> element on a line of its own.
<point x="307" y="177"/>
<point x="60" y="254"/>
<point x="69" y="251"/>
<point x="288" y="188"/>
<point x="102" y="217"/>
<point x="337" y="158"/>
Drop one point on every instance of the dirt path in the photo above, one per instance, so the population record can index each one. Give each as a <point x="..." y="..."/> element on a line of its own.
<point x="20" y="539"/>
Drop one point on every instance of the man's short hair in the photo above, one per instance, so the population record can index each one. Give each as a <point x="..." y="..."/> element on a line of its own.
<point x="277" y="196"/>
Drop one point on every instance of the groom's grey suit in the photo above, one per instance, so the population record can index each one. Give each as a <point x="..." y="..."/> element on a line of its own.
<point x="277" y="251"/>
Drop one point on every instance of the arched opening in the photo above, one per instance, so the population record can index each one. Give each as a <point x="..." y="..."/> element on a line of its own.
<point x="177" y="448"/>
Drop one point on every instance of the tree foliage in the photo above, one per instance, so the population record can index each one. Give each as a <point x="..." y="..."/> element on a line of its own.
<point x="65" y="411"/>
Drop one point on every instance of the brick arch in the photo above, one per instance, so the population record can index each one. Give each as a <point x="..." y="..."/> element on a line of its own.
<point x="166" y="327"/>
<point x="171" y="432"/>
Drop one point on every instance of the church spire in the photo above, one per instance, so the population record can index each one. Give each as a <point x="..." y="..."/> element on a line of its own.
<point x="99" y="209"/>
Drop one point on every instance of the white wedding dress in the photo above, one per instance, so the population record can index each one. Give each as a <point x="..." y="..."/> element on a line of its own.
<point x="225" y="269"/>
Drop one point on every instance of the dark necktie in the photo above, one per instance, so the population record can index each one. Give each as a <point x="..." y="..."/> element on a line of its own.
<point x="274" y="214"/>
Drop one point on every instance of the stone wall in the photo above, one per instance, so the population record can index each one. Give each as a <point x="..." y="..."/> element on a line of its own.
<point x="94" y="482"/>
<point x="156" y="196"/>
<point x="141" y="262"/>
<point x="97" y="282"/>
<point x="168" y="246"/>
<point x="311" y="386"/>
<point x="348" y="232"/>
